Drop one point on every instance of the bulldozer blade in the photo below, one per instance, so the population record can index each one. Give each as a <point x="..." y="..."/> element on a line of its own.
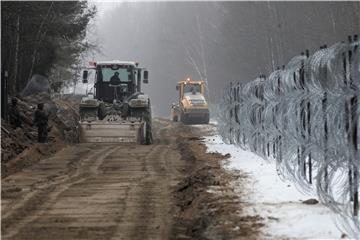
<point x="110" y="132"/>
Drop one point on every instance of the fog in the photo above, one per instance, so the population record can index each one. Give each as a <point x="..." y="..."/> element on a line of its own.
<point x="219" y="42"/>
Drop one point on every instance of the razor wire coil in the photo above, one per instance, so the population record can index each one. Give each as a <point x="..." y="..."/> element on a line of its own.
<point x="305" y="116"/>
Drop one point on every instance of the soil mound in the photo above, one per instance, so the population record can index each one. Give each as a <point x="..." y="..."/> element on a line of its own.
<point x="19" y="147"/>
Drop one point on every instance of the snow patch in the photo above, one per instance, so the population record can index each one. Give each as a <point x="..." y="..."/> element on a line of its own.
<point x="274" y="199"/>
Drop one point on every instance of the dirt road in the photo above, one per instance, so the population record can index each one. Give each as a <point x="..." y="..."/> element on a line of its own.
<point x="108" y="191"/>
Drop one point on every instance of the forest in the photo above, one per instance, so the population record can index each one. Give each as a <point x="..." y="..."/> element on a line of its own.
<point x="43" y="37"/>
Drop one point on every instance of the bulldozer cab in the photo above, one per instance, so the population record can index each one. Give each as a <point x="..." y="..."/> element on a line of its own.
<point x="189" y="86"/>
<point x="108" y="89"/>
<point x="115" y="81"/>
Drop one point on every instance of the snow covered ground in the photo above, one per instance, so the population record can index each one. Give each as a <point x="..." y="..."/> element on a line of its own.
<point x="277" y="201"/>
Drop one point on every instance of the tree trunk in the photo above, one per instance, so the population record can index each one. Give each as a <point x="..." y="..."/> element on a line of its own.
<point x="39" y="38"/>
<point x="16" y="62"/>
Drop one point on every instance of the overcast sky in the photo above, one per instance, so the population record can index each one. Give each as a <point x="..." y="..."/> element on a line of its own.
<point x="217" y="41"/>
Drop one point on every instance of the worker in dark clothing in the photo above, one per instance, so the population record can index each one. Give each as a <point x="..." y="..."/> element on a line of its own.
<point x="41" y="121"/>
<point x="14" y="114"/>
<point x="115" y="83"/>
<point x="115" y="79"/>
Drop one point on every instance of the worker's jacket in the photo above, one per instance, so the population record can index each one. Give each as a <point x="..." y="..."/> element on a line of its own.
<point x="14" y="116"/>
<point x="40" y="118"/>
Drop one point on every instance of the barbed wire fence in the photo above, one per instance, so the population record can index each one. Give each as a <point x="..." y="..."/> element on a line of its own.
<point x="305" y="116"/>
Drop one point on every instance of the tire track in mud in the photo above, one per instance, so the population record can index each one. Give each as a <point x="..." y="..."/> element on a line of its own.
<point x="119" y="192"/>
<point x="47" y="193"/>
<point x="109" y="191"/>
<point x="146" y="214"/>
<point x="43" y="184"/>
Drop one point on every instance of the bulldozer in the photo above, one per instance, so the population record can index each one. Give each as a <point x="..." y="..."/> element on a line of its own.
<point x="192" y="107"/>
<point x="115" y="110"/>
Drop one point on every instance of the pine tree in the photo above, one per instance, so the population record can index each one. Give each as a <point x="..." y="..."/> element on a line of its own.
<point x="44" y="37"/>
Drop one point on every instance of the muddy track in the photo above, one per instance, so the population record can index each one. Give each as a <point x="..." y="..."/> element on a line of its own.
<point x="108" y="191"/>
<point x="95" y="191"/>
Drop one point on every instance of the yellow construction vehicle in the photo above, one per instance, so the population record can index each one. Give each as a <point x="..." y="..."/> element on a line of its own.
<point x="192" y="107"/>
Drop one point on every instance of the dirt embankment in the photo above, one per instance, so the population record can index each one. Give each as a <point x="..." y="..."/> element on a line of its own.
<point x="209" y="208"/>
<point x="19" y="147"/>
